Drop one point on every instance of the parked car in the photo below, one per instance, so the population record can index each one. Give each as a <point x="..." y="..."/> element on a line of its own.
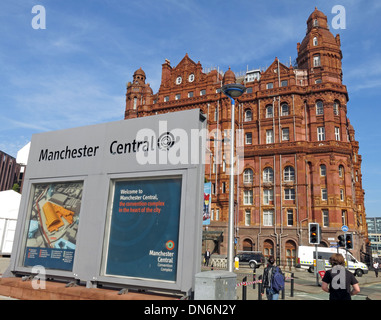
<point x="253" y="259"/>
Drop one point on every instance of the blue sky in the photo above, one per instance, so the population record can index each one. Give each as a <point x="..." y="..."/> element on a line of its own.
<point x="74" y="72"/>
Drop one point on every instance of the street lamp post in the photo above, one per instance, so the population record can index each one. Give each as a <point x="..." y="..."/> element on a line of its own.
<point x="233" y="91"/>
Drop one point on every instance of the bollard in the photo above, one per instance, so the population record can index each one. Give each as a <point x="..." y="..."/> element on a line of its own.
<point x="244" y="289"/>
<point x="260" y="288"/>
<point x="254" y="274"/>
<point x="292" y="285"/>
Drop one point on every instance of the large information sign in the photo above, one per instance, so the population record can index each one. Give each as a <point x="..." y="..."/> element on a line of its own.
<point x="144" y="229"/>
<point x="118" y="203"/>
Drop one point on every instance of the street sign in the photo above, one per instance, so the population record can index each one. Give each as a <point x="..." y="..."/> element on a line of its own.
<point x="344" y="228"/>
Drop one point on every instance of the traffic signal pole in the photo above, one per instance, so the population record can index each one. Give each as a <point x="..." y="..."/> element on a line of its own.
<point x="315" y="269"/>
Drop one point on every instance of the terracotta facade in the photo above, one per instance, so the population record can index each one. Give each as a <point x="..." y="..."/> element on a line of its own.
<point x="299" y="158"/>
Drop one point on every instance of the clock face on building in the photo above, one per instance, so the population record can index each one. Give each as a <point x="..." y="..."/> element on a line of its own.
<point x="191" y="77"/>
<point x="178" y="80"/>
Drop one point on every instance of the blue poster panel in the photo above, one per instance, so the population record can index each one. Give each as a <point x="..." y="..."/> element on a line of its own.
<point x="53" y="225"/>
<point x="207" y="203"/>
<point x="144" y="229"/>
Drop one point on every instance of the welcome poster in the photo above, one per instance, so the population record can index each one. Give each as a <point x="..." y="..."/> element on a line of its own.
<point x="144" y="229"/>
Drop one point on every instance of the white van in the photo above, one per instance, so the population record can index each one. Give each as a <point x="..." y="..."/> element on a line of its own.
<point x="306" y="256"/>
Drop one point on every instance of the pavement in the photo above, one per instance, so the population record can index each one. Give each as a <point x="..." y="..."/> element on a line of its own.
<point x="305" y="287"/>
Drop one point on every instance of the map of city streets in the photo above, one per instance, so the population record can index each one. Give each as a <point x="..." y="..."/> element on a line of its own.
<point x="53" y="225"/>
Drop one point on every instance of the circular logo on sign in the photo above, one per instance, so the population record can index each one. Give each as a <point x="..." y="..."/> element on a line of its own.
<point x="166" y="141"/>
<point x="170" y="245"/>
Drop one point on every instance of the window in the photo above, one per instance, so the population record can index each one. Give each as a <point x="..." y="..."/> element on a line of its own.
<point x="177" y="96"/>
<point x="290" y="217"/>
<point x="217" y="215"/>
<point x="248" y="138"/>
<point x="268" y="217"/>
<point x="285" y="134"/>
<point x="269" y="85"/>
<point x="284" y="83"/>
<point x="325" y="218"/>
<point x="289" y="174"/>
<point x="248" y="176"/>
<point x="248" y="197"/>
<point x="269" y="136"/>
<point x="190" y="94"/>
<point x="215" y="114"/>
<point x="344" y="217"/>
<point x="319" y="108"/>
<point x="289" y="194"/>
<point x="248" y="115"/>
<point x="268" y="175"/>
<point x="212" y="215"/>
<point x="336" y="106"/>
<point x="223" y="166"/>
<point x="268" y="196"/>
<point x="166" y="98"/>
<point x="341" y="171"/>
<point x="341" y="194"/>
<point x="135" y="102"/>
<point x="317" y="60"/>
<point x="202" y="92"/>
<point x="337" y="133"/>
<point x="315" y="41"/>
<point x="317" y="81"/>
<point x="223" y="187"/>
<point x="247" y="217"/>
<point x="213" y="188"/>
<point x="269" y="111"/>
<point x="285" y="109"/>
<point x="324" y="195"/>
<point x="323" y="170"/>
<point x="321" y="133"/>
<point x="316" y="23"/>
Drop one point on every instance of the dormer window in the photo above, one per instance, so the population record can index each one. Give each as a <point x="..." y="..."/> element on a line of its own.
<point x="316" y="23"/>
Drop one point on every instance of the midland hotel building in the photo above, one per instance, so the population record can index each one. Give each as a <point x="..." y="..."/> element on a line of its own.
<point x="300" y="160"/>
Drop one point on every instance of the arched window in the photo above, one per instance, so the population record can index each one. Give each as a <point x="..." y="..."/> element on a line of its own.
<point x="323" y="170"/>
<point x="336" y="106"/>
<point x="268" y="175"/>
<point x="289" y="174"/>
<point x="248" y="115"/>
<point x="285" y="109"/>
<point x="248" y="176"/>
<point x="269" y="111"/>
<point x="341" y="171"/>
<point x="319" y="108"/>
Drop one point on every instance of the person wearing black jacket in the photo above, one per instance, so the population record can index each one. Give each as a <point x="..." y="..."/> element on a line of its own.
<point x="266" y="280"/>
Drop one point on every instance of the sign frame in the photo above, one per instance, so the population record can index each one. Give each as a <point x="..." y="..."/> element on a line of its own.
<point x="111" y="151"/>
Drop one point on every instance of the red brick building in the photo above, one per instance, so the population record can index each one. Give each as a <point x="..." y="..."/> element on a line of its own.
<point x="9" y="171"/>
<point x="299" y="160"/>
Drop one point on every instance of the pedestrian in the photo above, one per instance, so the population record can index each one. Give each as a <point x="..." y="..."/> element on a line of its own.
<point x="376" y="265"/>
<point x="338" y="281"/>
<point x="272" y="287"/>
<point x="207" y="257"/>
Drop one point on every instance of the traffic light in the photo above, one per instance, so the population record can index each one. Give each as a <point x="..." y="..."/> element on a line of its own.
<point x="348" y="241"/>
<point x="341" y="241"/>
<point x="314" y="233"/>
